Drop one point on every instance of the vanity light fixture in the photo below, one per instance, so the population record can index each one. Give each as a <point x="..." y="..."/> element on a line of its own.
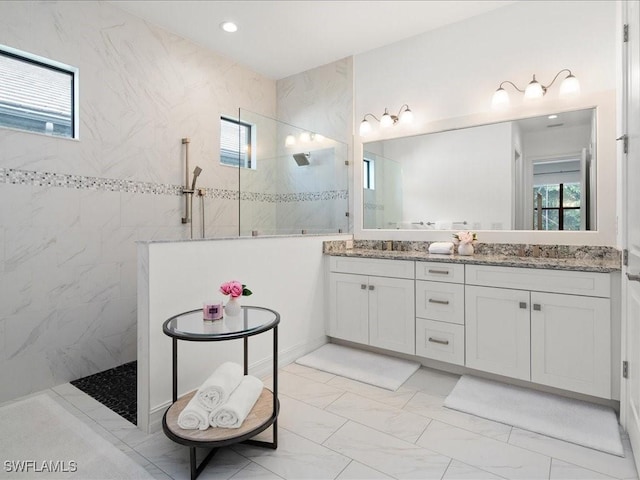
<point x="304" y="137"/>
<point x="534" y="90"/>
<point x="405" y="115"/>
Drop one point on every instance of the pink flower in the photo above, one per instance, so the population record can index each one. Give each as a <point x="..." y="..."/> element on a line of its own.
<point x="465" y="237"/>
<point x="233" y="288"/>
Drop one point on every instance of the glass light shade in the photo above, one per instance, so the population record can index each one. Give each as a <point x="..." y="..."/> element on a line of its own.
<point x="365" y="128"/>
<point x="289" y="141"/>
<point x="305" y="137"/>
<point x="407" y="116"/>
<point x="386" y="120"/>
<point x="500" y="99"/>
<point x="318" y="138"/>
<point x="569" y="87"/>
<point x="534" y="90"/>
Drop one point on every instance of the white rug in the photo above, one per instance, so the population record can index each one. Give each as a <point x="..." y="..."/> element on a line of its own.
<point x="575" y="421"/>
<point x="40" y="439"/>
<point x="367" y="367"/>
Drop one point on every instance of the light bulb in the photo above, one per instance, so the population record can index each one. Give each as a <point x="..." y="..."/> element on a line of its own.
<point x="365" y="128"/>
<point x="386" y="120"/>
<point x="569" y="87"/>
<point x="407" y="116"/>
<point x="229" y="27"/>
<point x="319" y="138"/>
<point x="305" y="137"/>
<point x="500" y="99"/>
<point x="290" y="140"/>
<point x="534" y="90"/>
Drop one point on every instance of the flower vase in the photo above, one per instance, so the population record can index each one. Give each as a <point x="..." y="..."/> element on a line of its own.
<point x="465" y="249"/>
<point x="233" y="308"/>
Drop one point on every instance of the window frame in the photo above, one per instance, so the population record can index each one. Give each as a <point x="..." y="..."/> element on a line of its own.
<point x="560" y="208"/>
<point x="251" y="161"/>
<point x="369" y="169"/>
<point x="47" y="63"/>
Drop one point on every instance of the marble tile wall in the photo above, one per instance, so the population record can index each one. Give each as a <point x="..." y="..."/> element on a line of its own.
<point x="72" y="210"/>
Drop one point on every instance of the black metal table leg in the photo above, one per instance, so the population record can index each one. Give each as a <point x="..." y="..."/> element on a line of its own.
<point x="195" y="468"/>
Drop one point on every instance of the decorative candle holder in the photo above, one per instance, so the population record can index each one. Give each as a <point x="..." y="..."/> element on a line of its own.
<point x="212" y="311"/>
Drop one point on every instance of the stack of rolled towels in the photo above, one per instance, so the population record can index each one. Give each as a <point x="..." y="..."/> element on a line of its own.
<point x="445" y="248"/>
<point x="223" y="400"/>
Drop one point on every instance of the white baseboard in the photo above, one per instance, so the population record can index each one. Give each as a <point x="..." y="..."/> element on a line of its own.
<point x="261" y="368"/>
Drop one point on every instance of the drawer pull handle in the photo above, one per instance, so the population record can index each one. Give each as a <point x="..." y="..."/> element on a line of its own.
<point x="537" y="307"/>
<point x="633" y="278"/>
<point x="437" y="340"/>
<point x="363" y="287"/>
<point x="440" y="272"/>
<point x="523" y="304"/>
<point x="371" y="287"/>
<point x="441" y="302"/>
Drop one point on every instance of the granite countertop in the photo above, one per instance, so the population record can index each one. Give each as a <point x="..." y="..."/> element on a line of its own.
<point x="603" y="265"/>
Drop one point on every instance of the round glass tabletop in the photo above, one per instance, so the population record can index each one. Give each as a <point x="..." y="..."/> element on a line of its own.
<point x="192" y="326"/>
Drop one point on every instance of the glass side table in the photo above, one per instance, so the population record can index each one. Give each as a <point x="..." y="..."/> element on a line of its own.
<point x="190" y="327"/>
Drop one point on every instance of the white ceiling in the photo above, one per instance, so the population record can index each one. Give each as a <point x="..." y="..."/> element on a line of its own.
<point x="285" y="37"/>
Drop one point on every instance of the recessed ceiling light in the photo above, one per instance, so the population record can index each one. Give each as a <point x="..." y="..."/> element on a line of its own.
<point x="229" y="27"/>
<point x="551" y="117"/>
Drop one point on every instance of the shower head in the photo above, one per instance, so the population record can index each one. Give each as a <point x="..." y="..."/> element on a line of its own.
<point x="301" y="158"/>
<point x="196" y="173"/>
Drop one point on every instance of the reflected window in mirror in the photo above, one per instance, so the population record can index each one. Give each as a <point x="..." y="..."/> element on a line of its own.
<point x="557" y="207"/>
<point x="369" y="174"/>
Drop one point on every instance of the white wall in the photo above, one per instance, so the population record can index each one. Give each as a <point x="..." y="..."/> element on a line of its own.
<point x="448" y="76"/>
<point x="285" y="274"/>
<point x="71" y="210"/>
<point x="475" y="163"/>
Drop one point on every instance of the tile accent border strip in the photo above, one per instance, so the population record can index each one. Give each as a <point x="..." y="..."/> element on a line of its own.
<point x="80" y="182"/>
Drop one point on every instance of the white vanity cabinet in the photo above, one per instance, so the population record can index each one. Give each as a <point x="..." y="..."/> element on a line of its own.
<point x="548" y="326"/>
<point x="372" y="302"/>
<point x="440" y="311"/>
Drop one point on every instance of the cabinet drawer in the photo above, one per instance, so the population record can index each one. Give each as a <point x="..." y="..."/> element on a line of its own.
<point x="373" y="266"/>
<point x="440" y="341"/>
<point x="543" y="280"/>
<point x="440" y="272"/>
<point x="440" y="301"/>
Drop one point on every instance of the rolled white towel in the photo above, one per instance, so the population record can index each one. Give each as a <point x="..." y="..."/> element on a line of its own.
<point x="241" y="401"/>
<point x="216" y="389"/>
<point x="441" y="247"/>
<point x="193" y="416"/>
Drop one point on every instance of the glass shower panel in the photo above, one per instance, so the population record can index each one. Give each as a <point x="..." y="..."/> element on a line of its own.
<point x="297" y="182"/>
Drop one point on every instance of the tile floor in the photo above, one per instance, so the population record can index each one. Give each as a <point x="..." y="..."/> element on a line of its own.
<point x="335" y="428"/>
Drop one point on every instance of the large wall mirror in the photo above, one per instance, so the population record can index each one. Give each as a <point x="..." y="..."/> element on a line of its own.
<point x="535" y="173"/>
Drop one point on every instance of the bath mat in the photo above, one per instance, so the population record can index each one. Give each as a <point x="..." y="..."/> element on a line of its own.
<point x="366" y="367"/>
<point x="575" y="421"/>
<point x="40" y="439"/>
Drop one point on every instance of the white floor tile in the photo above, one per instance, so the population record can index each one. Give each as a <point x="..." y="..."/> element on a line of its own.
<point x="432" y="381"/>
<point x="461" y="471"/>
<point x="396" y="399"/>
<point x="387" y="454"/>
<point x="308" y="391"/>
<point x="566" y="471"/>
<point x="430" y="406"/>
<point x="394" y="421"/>
<point x="253" y="471"/>
<point x="306" y="420"/>
<point x="296" y="458"/>
<point x="357" y="471"/>
<point x="308" y="372"/>
<point x="485" y="453"/>
<point x="604" y="463"/>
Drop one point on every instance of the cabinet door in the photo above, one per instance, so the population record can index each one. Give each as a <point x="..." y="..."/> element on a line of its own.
<point x="571" y="343"/>
<point x="498" y="331"/>
<point x="391" y="314"/>
<point x="349" y="308"/>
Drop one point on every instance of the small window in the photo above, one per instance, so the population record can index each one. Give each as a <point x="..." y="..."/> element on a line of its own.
<point x="36" y="94"/>
<point x="369" y="174"/>
<point x="236" y="143"/>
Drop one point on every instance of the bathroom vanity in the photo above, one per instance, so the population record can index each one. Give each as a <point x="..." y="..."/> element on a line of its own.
<point x="549" y="321"/>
